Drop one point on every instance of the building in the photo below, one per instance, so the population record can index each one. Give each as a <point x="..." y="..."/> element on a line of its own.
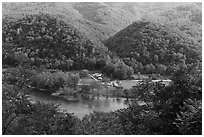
<point x="87" y="81"/>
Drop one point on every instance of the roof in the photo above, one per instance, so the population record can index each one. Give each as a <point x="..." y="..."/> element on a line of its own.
<point x="90" y="76"/>
<point x="86" y="81"/>
<point x="97" y="74"/>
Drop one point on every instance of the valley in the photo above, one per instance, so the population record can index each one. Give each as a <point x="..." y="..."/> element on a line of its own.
<point x="100" y="68"/>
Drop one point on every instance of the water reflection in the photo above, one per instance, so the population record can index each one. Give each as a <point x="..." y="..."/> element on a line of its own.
<point x="127" y="102"/>
<point x="118" y="100"/>
<point x="106" y="102"/>
<point x="84" y="104"/>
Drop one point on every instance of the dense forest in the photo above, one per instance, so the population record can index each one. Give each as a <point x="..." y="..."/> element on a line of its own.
<point x="41" y="50"/>
<point x="42" y="40"/>
<point x="154" y="48"/>
<point x="95" y="20"/>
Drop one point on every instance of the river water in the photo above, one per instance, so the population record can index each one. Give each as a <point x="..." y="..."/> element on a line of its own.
<point x="83" y="105"/>
<point x="87" y="104"/>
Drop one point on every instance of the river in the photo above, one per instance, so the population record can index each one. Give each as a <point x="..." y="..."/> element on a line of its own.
<point x="84" y="105"/>
<point x="87" y="104"/>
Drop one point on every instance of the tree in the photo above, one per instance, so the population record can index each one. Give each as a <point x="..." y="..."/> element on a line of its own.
<point x="84" y="73"/>
<point x="156" y="58"/>
<point x="100" y="63"/>
<point x="140" y="66"/>
<point x="121" y="71"/>
<point x="101" y="123"/>
<point x="161" y="68"/>
<point x="147" y="68"/>
<point x="152" y="68"/>
<point x="94" y="88"/>
<point x="109" y="68"/>
<point x="69" y="64"/>
<point x="174" y="109"/>
<point x="126" y="93"/>
<point x="73" y="81"/>
<point x="189" y="121"/>
<point x="182" y="63"/>
<point x="130" y="71"/>
<point x="21" y="117"/>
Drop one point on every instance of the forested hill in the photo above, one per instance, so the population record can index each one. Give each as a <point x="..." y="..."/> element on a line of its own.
<point x="95" y="20"/>
<point x="150" y="47"/>
<point x="186" y="18"/>
<point x="90" y="23"/>
<point x="100" y="21"/>
<point x="44" y="40"/>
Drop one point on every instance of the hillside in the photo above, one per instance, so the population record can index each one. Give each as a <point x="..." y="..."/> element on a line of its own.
<point x="141" y="8"/>
<point x="42" y="40"/>
<point x="96" y="20"/>
<point x="186" y="18"/>
<point x="153" y="47"/>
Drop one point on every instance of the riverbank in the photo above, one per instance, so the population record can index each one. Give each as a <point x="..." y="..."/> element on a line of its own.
<point x="82" y="105"/>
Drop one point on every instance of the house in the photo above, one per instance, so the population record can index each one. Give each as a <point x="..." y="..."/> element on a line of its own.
<point x="87" y="81"/>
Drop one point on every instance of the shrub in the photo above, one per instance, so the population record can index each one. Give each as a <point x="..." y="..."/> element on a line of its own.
<point x="21" y="117"/>
<point x="175" y="109"/>
<point x="84" y="73"/>
<point x="53" y="81"/>
<point x="101" y="123"/>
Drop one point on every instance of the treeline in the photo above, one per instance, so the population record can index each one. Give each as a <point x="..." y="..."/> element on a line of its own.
<point x="171" y="110"/>
<point x="154" y="48"/>
<point x="43" y="40"/>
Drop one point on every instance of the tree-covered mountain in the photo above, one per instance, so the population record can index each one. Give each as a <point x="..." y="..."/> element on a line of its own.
<point x="142" y="8"/>
<point x="95" y="20"/>
<point x="186" y="18"/>
<point x="152" y="47"/>
<point x="44" y="40"/>
<point x="98" y="20"/>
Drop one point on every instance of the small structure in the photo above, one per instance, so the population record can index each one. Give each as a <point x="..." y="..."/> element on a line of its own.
<point x="86" y="81"/>
<point x="97" y="74"/>
<point x="99" y="78"/>
<point x="90" y="76"/>
<point x="114" y="84"/>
